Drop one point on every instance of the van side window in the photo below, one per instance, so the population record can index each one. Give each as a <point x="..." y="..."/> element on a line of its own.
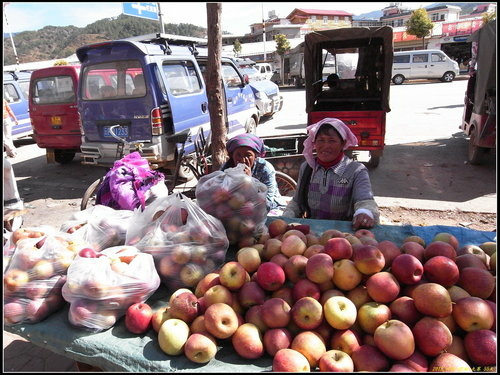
<point x="52" y="90"/>
<point x="182" y="77"/>
<point x="401" y="59"/>
<point x="420" y="57"/>
<point x="10" y="93"/>
<point x="437" y="57"/>
<point x="230" y="76"/>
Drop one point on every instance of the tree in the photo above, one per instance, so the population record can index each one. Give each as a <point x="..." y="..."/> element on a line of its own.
<point x="236" y="47"/>
<point x="214" y="85"/>
<point x="282" y="45"/>
<point x="419" y="24"/>
<point x="489" y="16"/>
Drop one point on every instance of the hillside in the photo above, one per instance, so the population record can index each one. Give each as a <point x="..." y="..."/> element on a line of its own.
<point x="54" y="42"/>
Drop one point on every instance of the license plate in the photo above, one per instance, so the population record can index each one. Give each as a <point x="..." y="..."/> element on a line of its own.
<point x="56" y="120"/>
<point x="121" y="131"/>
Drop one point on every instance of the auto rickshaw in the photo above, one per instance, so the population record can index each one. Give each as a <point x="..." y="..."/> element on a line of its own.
<point x="479" y="117"/>
<point x="361" y="59"/>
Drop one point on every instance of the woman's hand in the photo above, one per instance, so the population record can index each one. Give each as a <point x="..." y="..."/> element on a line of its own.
<point x="362" y="221"/>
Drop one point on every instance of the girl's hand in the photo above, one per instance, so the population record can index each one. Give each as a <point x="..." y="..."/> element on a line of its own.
<point x="362" y="221"/>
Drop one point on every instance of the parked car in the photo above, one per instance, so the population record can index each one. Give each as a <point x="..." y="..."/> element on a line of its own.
<point x="252" y="73"/>
<point x="15" y="91"/>
<point x="267" y="97"/>
<point x="265" y="69"/>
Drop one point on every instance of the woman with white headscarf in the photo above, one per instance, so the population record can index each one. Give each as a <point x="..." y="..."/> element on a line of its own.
<point x="332" y="186"/>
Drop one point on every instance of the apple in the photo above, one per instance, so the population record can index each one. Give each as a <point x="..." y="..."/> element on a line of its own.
<point x="493" y="263"/>
<point x="457" y="347"/>
<point x="304" y="228"/>
<point x="457" y="292"/>
<point x="413" y="248"/>
<point x="172" y="336"/>
<point x="493" y="307"/>
<point x="15" y="279"/>
<point x="403" y="308"/>
<point x="340" y="312"/>
<point x="364" y="233"/>
<point x="247" y="341"/>
<point x="470" y="260"/>
<point x="369" y="358"/>
<point x="313" y="249"/>
<point x="307" y="313"/>
<point x="346" y="340"/>
<point x="276" y="339"/>
<point x="200" y="347"/>
<point x="177" y="292"/>
<point x="87" y="252"/>
<point x="279" y="259"/>
<point x="319" y="268"/>
<point x="395" y="339"/>
<point x="185" y="307"/>
<point x="371" y="315"/>
<point x="477" y="282"/>
<point x="481" y="347"/>
<point x="232" y="275"/>
<point x="489" y="247"/>
<point x="473" y="313"/>
<point x="277" y="227"/>
<point x="407" y="269"/>
<point x="305" y="288"/>
<point x="295" y="268"/>
<point x="276" y="313"/>
<point x="432" y="299"/>
<point x="159" y="316"/>
<point x="286" y="293"/>
<point x="312" y="239"/>
<point x="293" y="245"/>
<point x="251" y="294"/>
<point x="95" y="289"/>
<point x="190" y="274"/>
<point x="14" y="312"/>
<point x="415" y="238"/>
<point x="289" y="360"/>
<point x="382" y="287"/>
<point x="138" y="318"/>
<point x="209" y="280"/>
<point x="417" y="361"/>
<point x="390" y="251"/>
<point x="345" y="275"/>
<point x="338" y="248"/>
<point x="294" y="232"/>
<point x="359" y="295"/>
<point x="270" y="276"/>
<point x="448" y="238"/>
<point x="335" y="361"/>
<point x="249" y="258"/>
<point x="441" y="270"/>
<point x="198" y="325"/>
<point x="474" y="250"/>
<point x="271" y="247"/>
<point x="368" y="259"/>
<point x="431" y="336"/>
<point x="220" y="320"/>
<point x="36" y="289"/>
<point x="440" y="248"/>
<point x="43" y="270"/>
<point x="254" y="315"/>
<point x="311" y="345"/>
<point x="448" y="362"/>
<point x="329" y="293"/>
<point x="218" y="293"/>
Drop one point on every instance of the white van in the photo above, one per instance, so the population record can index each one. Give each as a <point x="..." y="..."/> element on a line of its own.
<point x="265" y="69"/>
<point x="426" y="64"/>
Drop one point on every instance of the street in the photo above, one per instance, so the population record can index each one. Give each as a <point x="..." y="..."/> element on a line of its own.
<point x="424" y="162"/>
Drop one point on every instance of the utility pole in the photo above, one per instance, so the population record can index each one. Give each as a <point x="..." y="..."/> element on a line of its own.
<point x="264" y="32"/>
<point x="11" y="38"/>
<point x="160" y="14"/>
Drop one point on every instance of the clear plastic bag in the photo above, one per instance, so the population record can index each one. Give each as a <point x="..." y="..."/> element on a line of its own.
<point x="101" y="289"/>
<point x="35" y="275"/>
<point x="99" y="226"/>
<point x="235" y="198"/>
<point x="186" y="242"/>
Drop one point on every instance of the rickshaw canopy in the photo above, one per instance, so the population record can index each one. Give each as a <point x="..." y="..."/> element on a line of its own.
<point x="375" y="48"/>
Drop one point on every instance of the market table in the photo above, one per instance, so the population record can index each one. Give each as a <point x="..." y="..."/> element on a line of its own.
<point x="116" y="349"/>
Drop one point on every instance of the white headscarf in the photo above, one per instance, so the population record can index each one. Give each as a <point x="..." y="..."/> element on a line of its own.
<point x="344" y="131"/>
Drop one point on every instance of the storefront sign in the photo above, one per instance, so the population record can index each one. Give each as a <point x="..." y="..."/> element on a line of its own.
<point x="403" y="36"/>
<point x="461" y="27"/>
<point x="460" y="38"/>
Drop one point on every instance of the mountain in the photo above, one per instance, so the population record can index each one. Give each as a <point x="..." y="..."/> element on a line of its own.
<point x="54" y="42"/>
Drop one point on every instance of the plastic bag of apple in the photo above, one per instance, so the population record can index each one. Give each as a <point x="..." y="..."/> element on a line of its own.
<point x="100" y="286"/>
<point x="236" y="199"/>
<point x="35" y="275"/>
<point x="99" y="226"/>
<point x="345" y="302"/>
<point x="185" y="241"/>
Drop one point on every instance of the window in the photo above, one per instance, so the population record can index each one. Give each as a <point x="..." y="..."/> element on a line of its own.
<point x="53" y="90"/>
<point x="230" y="76"/>
<point x="313" y="18"/>
<point x="346" y="19"/>
<point x="435" y="17"/>
<point x="325" y="19"/>
<point x="10" y="93"/>
<point x="336" y="19"/>
<point x="420" y="58"/>
<point x="437" y="57"/>
<point x="182" y="77"/>
<point x="401" y="59"/>
<point x="442" y="17"/>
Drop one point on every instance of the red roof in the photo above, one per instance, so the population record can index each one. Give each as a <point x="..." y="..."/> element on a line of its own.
<point x="319" y="12"/>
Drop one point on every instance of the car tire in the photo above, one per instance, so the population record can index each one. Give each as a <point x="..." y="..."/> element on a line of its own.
<point x="251" y="126"/>
<point x="448" y="77"/>
<point x="475" y="154"/>
<point x="63" y="156"/>
<point x="398" y="79"/>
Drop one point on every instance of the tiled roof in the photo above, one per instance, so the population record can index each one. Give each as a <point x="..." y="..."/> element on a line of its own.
<point x="320" y="12"/>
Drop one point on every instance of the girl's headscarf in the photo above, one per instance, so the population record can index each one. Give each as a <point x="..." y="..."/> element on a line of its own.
<point x="246" y="140"/>
<point x="344" y="131"/>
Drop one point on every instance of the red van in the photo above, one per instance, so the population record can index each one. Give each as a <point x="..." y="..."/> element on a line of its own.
<point x="54" y="111"/>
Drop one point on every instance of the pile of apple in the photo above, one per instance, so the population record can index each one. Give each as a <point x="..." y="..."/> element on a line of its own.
<point x="35" y="275"/>
<point x="100" y="286"/>
<point x="185" y="242"/>
<point x="236" y="199"/>
<point x="99" y="226"/>
<point x="342" y="302"/>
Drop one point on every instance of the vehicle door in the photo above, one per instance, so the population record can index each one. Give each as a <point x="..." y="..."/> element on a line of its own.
<point x="420" y="65"/>
<point x="53" y="107"/>
<point x="439" y="65"/>
<point x="16" y="93"/>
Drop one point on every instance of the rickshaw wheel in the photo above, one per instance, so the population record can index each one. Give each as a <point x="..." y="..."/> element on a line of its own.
<point x="90" y="194"/>
<point x="286" y="184"/>
<point x="475" y="153"/>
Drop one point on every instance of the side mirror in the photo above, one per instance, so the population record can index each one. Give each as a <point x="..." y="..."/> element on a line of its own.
<point x="246" y="80"/>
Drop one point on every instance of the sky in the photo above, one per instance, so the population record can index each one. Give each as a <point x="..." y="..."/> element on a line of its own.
<point x="236" y="16"/>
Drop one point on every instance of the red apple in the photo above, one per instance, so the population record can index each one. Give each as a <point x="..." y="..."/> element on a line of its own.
<point x="289" y="360"/>
<point x="270" y="276"/>
<point x="279" y="259"/>
<point x="469" y="260"/>
<point x="390" y="251"/>
<point x="218" y="293"/>
<point x="295" y="268"/>
<point x="440" y="248"/>
<point x="472" y="314"/>
<point x="14" y="312"/>
<point x="276" y="313"/>
<point x="304" y="228"/>
<point x="368" y="259"/>
<point x="441" y="270"/>
<point x="276" y="339"/>
<point x="293" y="245"/>
<point x="286" y="293"/>
<point x="307" y="313"/>
<point x="395" y="339"/>
<point x="220" y="320"/>
<point x="359" y="296"/>
<point x="338" y="248"/>
<point x="138" y="318"/>
<point x="477" y="282"/>
<point x="417" y="361"/>
<point x="448" y="362"/>
<point x="371" y="315"/>
<point x="251" y="294"/>
<point x="254" y="316"/>
<point x="416" y="239"/>
<point x="247" y="341"/>
<point x="271" y="247"/>
<point x="413" y="248"/>
<point x="448" y="238"/>
<point x="347" y="340"/>
<point x="185" y="307"/>
<point x="369" y="358"/>
<point x="209" y="280"/>
<point x="403" y="308"/>
<point x="311" y="345"/>
<point x="277" y="227"/>
<point x="329" y="233"/>
<point x="456" y="293"/>
<point x="249" y="258"/>
<point x="431" y="336"/>
<point x="432" y="299"/>
<point x="159" y="317"/>
<point x="481" y="347"/>
<point x="313" y="249"/>
<point x="200" y="347"/>
<point x="364" y="233"/>
<point x="382" y="287"/>
<point x="305" y="288"/>
<point x="335" y="361"/>
<point x="345" y="275"/>
<point x="319" y="268"/>
<point x="407" y="269"/>
<point x="87" y="252"/>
